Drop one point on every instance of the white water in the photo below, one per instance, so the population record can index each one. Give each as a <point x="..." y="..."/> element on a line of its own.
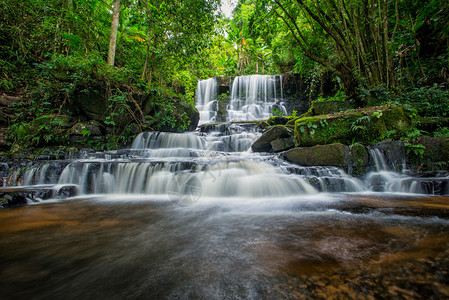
<point x="206" y="100"/>
<point x="253" y="97"/>
<point x="384" y="179"/>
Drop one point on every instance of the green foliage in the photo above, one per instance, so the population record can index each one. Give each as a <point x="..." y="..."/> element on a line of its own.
<point x="44" y="130"/>
<point x="277" y="112"/>
<point x="360" y="124"/>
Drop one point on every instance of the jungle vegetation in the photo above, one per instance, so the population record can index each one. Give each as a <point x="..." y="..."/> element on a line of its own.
<point x="373" y="51"/>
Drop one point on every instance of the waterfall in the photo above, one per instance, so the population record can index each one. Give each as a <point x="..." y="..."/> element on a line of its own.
<point x="253" y="97"/>
<point x="206" y="100"/>
<point x="383" y="179"/>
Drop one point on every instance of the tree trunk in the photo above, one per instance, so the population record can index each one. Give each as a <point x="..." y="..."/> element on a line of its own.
<point x="114" y="29"/>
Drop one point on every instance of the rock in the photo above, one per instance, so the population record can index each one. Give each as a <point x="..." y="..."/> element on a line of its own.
<point x="361" y="125"/>
<point x="358" y="160"/>
<point x="17" y="200"/>
<point x="182" y="112"/>
<point x="435" y="154"/>
<point x="86" y="128"/>
<point x="282" y="144"/>
<point x="329" y="107"/>
<point x="278" y="120"/>
<point x="395" y="153"/>
<point x="321" y="155"/>
<point x="262" y="144"/>
<point x="92" y="102"/>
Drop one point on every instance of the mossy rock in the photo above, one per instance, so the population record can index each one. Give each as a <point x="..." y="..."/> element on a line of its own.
<point x="358" y="159"/>
<point x="435" y="150"/>
<point x="320" y="155"/>
<point x="329" y="107"/>
<point x="277" y="120"/>
<point x="262" y="144"/>
<point x="364" y="126"/>
<point x="87" y="128"/>
<point x="291" y="121"/>
<point x="181" y="110"/>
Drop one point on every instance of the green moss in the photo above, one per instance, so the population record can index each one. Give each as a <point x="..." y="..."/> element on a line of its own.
<point x="365" y="126"/>
<point x="277" y="120"/>
<point x="328" y="107"/>
<point x="359" y="159"/>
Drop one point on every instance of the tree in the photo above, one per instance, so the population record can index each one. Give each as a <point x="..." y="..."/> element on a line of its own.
<point x="114" y="29"/>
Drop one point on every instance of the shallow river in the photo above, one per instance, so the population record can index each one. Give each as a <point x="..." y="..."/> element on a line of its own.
<point x="329" y="246"/>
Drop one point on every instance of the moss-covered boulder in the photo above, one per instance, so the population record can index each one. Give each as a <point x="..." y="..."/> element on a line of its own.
<point x="329" y="107"/>
<point x="320" y="155"/>
<point x="86" y="128"/>
<point x="263" y="143"/>
<point x="365" y="126"/>
<point x="278" y="120"/>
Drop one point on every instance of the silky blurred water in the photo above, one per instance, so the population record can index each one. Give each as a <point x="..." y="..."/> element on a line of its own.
<point x="140" y="247"/>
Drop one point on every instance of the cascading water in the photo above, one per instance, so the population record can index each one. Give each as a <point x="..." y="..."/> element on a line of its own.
<point x="254" y="97"/>
<point x="206" y="100"/>
<point x="385" y="179"/>
<point x="197" y="215"/>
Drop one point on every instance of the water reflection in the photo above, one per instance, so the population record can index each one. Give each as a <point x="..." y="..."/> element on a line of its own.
<point x="323" y="245"/>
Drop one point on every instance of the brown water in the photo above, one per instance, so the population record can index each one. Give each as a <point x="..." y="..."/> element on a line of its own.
<point x="323" y="246"/>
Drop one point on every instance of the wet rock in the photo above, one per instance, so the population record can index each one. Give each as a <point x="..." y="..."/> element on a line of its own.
<point x="394" y="152"/>
<point x="278" y="120"/>
<point x="263" y="143"/>
<point x="321" y="155"/>
<point x="282" y="144"/>
<point x="17" y="200"/>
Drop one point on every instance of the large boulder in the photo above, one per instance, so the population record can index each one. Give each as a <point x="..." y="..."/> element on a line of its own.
<point x="263" y="143"/>
<point x="320" y="155"/>
<point x="361" y="125"/>
<point x="282" y="144"/>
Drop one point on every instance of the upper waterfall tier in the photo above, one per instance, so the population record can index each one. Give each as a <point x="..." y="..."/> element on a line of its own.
<point x="206" y="100"/>
<point x="252" y="97"/>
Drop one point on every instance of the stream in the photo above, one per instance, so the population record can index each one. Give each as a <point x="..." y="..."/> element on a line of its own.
<point x="198" y="216"/>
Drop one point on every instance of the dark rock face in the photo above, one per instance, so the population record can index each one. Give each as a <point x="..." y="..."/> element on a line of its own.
<point x="263" y="143"/>
<point x="395" y="153"/>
